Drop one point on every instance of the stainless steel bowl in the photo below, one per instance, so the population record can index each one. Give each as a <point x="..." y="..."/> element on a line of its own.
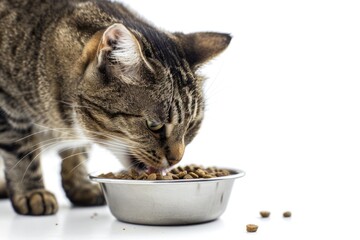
<point x="168" y="202"/>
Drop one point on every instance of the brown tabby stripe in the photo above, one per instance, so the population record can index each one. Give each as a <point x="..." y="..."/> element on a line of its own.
<point x="147" y="48"/>
<point x="199" y="109"/>
<point x="13" y="119"/>
<point x="152" y="152"/>
<point x="189" y="103"/>
<point x="178" y="111"/>
<point x="194" y="108"/>
<point x="4" y="128"/>
<point x="11" y="147"/>
<point x="64" y="111"/>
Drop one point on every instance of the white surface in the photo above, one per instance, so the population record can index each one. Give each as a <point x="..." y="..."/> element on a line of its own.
<point x="283" y="104"/>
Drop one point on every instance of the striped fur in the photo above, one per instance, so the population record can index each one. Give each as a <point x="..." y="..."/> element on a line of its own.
<point x="79" y="72"/>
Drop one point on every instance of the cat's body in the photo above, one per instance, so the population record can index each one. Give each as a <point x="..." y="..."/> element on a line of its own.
<point x="75" y="70"/>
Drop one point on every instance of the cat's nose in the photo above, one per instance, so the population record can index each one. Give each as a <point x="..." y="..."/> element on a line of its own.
<point x="175" y="153"/>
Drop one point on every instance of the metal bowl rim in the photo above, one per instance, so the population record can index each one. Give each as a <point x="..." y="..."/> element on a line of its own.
<point x="236" y="173"/>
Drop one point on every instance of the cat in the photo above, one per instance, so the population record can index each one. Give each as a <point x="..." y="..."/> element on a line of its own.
<point x="80" y="72"/>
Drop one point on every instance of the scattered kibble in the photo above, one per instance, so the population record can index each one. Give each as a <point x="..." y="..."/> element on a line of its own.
<point x="287" y="214"/>
<point x="251" y="228"/>
<point x="265" y="214"/>
<point x="187" y="172"/>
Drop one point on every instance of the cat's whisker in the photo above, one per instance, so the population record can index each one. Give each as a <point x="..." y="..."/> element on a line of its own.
<point x="29" y="153"/>
<point x="42" y="147"/>
<point x="73" y="155"/>
<point x="78" y="165"/>
<point x="32" y="160"/>
<point x="45" y="129"/>
<point x="30" y="135"/>
<point x="37" y="155"/>
<point x="97" y="133"/>
<point x="48" y="146"/>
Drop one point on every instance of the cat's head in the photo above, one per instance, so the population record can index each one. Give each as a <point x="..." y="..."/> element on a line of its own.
<point x="140" y="93"/>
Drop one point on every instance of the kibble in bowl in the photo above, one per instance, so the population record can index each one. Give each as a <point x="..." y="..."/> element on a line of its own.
<point x="187" y="172"/>
<point x="173" y="198"/>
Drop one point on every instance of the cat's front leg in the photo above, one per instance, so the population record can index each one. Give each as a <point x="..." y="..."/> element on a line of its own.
<point x="24" y="179"/>
<point x="75" y="181"/>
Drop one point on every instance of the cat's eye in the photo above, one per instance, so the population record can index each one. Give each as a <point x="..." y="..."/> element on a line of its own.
<point x="154" y="126"/>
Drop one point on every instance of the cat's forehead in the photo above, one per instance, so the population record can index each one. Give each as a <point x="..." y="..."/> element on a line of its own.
<point x="162" y="47"/>
<point x="151" y="100"/>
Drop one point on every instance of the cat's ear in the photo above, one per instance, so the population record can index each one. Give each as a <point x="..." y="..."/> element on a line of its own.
<point x="201" y="47"/>
<point x="119" y="47"/>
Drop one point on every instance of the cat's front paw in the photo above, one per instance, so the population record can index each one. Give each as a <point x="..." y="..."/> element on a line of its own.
<point x="36" y="202"/>
<point x="87" y="195"/>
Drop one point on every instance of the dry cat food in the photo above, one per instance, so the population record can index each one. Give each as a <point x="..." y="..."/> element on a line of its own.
<point x="287" y="214"/>
<point x="251" y="228"/>
<point x="187" y="172"/>
<point x="265" y="214"/>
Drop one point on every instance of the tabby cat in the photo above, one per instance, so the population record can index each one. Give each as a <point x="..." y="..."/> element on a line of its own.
<point x="75" y="72"/>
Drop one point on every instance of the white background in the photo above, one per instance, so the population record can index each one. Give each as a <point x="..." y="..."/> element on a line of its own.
<point x="282" y="104"/>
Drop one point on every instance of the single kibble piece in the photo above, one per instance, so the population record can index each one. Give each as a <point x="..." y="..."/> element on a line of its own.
<point x="187" y="176"/>
<point x="175" y="176"/>
<point x="287" y="214"/>
<point x="182" y="174"/>
<point x="159" y="176"/>
<point x="152" y="176"/>
<point x="190" y="168"/>
<point x="181" y="168"/>
<point x="200" y="172"/>
<point x="251" y="228"/>
<point x="167" y="177"/>
<point x="175" y="171"/>
<point x="265" y="214"/>
<point x="133" y="173"/>
<point x="142" y="176"/>
<point x="220" y="174"/>
<point x="194" y="175"/>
